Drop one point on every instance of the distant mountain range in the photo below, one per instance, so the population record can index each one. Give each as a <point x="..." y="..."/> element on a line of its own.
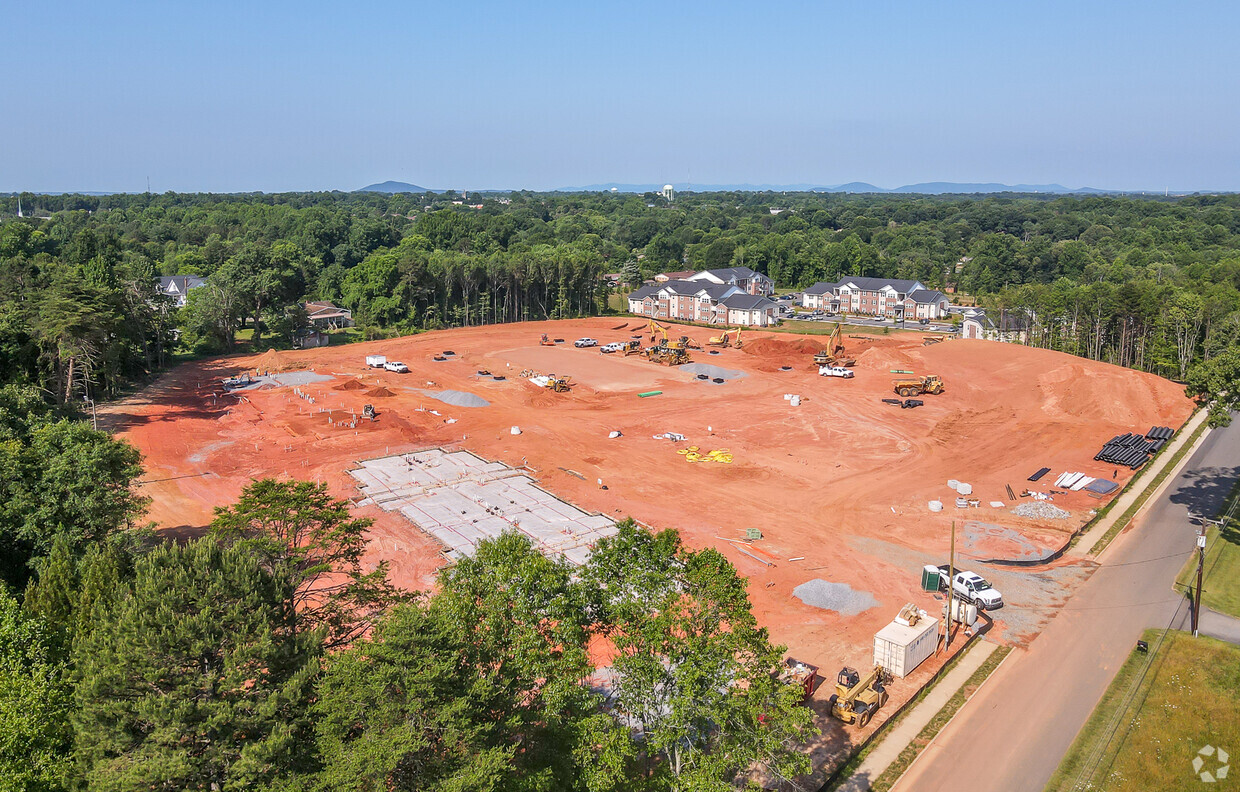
<point x="393" y="187"/>
<point x="925" y="188"/>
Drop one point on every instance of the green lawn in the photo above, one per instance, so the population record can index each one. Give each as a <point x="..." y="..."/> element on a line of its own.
<point x="1160" y="710"/>
<point x="1220" y="589"/>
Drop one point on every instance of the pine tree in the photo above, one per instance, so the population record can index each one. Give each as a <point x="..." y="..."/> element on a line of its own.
<point x="193" y="677"/>
<point x="35" y="735"/>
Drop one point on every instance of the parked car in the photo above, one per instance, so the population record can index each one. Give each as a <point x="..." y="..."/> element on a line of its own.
<point x="396" y="366"/>
<point x="835" y="371"/>
<point x="972" y="587"/>
<point x="614" y="346"/>
<point x="581" y="343"/>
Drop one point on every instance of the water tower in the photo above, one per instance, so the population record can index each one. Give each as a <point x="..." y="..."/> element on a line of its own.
<point x="668" y="193"/>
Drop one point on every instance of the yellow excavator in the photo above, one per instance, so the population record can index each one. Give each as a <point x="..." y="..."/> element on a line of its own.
<point x="857" y="698"/>
<point x="656" y="328"/>
<point x="833" y="355"/>
<point x="725" y="340"/>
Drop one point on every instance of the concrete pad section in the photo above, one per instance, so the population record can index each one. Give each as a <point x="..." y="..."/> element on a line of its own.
<point x="461" y="499"/>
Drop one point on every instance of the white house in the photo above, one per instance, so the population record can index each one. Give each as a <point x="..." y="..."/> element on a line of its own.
<point x="1009" y="326"/>
<point x="178" y="287"/>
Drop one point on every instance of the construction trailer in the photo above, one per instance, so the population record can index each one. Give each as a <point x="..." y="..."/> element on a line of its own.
<point x="906" y="642"/>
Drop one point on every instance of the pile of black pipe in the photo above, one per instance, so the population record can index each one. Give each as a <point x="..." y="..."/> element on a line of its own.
<point x="1130" y="449"/>
<point x="1161" y="435"/>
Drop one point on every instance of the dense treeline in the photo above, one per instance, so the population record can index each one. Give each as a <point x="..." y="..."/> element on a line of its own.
<point x="1148" y="282"/>
<point x="264" y="656"/>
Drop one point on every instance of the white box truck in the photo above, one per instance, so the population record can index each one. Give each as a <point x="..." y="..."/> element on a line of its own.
<point x="376" y="361"/>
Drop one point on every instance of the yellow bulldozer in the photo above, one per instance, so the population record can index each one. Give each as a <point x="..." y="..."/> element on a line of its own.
<point x="916" y="386"/>
<point x="633" y="347"/>
<point x="559" y="384"/>
<point x="857" y="698"/>
<point x="833" y="355"/>
<point x="668" y="355"/>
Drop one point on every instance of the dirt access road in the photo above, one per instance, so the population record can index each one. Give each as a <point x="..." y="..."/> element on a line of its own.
<point x="1011" y="736"/>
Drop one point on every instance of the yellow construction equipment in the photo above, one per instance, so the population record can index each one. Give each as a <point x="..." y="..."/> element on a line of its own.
<point x="916" y="386"/>
<point x="736" y="342"/>
<point x="724" y="339"/>
<point x="559" y="384"/>
<point x="655" y="327"/>
<point x="633" y="347"/>
<point x="857" y="698"/>
<point x="668" y="355"/>
<point x="833" y="355"/>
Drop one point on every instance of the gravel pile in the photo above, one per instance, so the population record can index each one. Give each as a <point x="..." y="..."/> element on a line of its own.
<point x="458" y="398"/>
<point x="1040" y="510"/>
<point x="838" y="597"/>
<point x="711" y="371"/>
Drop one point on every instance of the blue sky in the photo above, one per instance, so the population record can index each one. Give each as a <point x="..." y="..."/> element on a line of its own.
<point x="272" y="96"/>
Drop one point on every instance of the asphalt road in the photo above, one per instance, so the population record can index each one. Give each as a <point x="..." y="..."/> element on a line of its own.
<point x="1011" y="736"/>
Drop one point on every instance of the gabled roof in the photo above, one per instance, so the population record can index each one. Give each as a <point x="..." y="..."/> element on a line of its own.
<point x="1007" y="322"/>
<point x="821" y="287"/>
<point x="926" y="296"/>
<point x="689" y="288"/>
<point x="747" y="302"/>
<point x="645" y="292"/>
<point x="878" y="284"/>
<point x="728" y="273"/>
<point x="678" y="275"/>
<point x="179" y="284"/>
<point x="326" y="309"/>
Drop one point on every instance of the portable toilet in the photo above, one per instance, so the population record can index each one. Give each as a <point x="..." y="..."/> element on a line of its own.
<point x="930" y="577"/>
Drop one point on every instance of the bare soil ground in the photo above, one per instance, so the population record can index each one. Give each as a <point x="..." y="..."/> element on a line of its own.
<point x="841" y="482"/>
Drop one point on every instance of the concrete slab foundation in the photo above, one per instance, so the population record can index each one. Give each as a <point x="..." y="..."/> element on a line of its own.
<point x="461" y="499"/>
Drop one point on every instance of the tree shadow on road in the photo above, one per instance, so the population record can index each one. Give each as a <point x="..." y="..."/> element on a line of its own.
<point x="1205" y="490"/>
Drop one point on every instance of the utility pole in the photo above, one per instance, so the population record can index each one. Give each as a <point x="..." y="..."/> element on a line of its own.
<point x="1201" y="562"/>
<point x="951" y="591"/>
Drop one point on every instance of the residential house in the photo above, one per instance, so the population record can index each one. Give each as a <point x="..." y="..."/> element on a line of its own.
<point x="325" y="315"/>
<point x="1008" y="326"/>
<point x="889" y="297"/>
<point x="178" y="287"/>
<point x="742" y="278"/>
<point x="702" y="301"/>
<point x="664" y="277"/>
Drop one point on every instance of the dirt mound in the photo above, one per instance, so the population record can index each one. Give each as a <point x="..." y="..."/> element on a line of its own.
<point x="350" y="385"/>
<point x="779" y="346"/>
<point x="379" y="392"/>
<point x="277" y="361"/>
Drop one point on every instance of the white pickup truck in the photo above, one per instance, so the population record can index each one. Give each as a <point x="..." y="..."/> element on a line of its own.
<point x="396" y="366"/>
<point x="972" y="587"/>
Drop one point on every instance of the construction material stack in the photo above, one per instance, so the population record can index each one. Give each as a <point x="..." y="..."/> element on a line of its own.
<point x="1132" y="449"/>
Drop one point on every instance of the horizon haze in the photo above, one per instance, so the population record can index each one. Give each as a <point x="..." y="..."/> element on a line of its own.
<point x="289" y="97"/>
